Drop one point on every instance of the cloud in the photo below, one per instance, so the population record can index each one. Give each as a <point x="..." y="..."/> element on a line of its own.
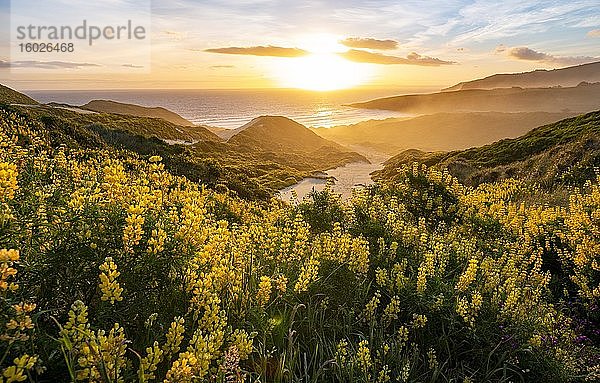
<point x="173" y="34"/>
<point x="524" y="53"/>
<point x="369" y="43"/>
<point x="46" y="64"/>
<point x="270" y="50"/>
<point x="594" y="33"/>
<point x="501" y="48"/>
<point x="413" y="58"/>
<point x="222" y="67"/>
<point x="528" y="54"/>
<point x="484" y="20"/>
<point x="132" y="66"/>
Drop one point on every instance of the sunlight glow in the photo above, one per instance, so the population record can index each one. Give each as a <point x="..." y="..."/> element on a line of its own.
<point x="320" y="43"/>
<point x="323" y="69"/>
<point x="321" y="72"/>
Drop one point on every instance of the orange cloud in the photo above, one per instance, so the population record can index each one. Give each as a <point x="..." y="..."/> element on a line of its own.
<point x="271" y="51"/>
<point x="369" y="43"/>
<point x="528" y="54"/>
<point x="594" y="33"/>
<point x="413" y="58"/>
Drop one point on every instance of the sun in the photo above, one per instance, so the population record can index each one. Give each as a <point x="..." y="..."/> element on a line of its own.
<point x="320" y="72"/>
<point x="323" y="69"/>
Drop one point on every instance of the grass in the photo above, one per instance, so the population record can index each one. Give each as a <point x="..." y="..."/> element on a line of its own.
<point x="10" y="96"/>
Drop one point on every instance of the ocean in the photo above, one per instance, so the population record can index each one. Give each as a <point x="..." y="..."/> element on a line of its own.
<point x="234" y="108"/>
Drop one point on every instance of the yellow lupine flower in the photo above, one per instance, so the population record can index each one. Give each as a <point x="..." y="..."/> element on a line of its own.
<point x="157" y="240"/>
<point x="264" y="290"/>
<point x="384" y="375"/>
<point x="469" y="275"/>
<point x="432" y="359"/>
<point x="371" y="307"/>
<point x="363" y="357"/>
<point x="309" y="273"/>
<point x="390" y="313"/>
<point x="7" y="271"/>
<point x="149" y="363"/>
<point x="342" y="353"/>
<point x="174" y="336"/>
<point x="17" y="372"/>
<point x="281" y="283"/>
<point x="8" y="180"/>
<point x="243" y="342"/>
<point x="111" y="290"/>
<point x="419" y="320"/>
<point x="469" y="310"/>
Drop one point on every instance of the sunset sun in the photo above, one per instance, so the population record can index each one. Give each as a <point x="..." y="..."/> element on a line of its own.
<point x="321" y="72"/>
<point x="322" y="69"/>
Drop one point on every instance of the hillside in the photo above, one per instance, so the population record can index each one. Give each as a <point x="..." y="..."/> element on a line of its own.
<point x="565" y="152"/>
<point x="144" y="126"/>
<point x="439" y="131"/>
<point x="127" y="136"/>
<point x="541" y="78"/>
<point x="583" y="98"/>
<point x="104" y="106"/>
<point x="11" y="96"/>
<point x="278" y="151"/>
<point x="250" y="169"/>
<point x="283" y="135"/>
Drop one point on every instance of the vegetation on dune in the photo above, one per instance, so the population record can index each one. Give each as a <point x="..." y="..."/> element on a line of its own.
<point x="126" y="136"/>
<point x="105" y="106"/>
<point x="10" y="96"/>
<point x="143" y="126"/>
<point x="275" y="143"/>
<point x="115" y="269"/>
<point x="563" y="153"/>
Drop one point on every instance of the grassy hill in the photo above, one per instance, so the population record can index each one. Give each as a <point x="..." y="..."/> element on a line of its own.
<point x="583" y="98"/>
<point x="194" y="152"/>
<point x="127" y="135"/>
<point x="10" y="96"/>
<point x="541" y="78"/>
<point x="439" y="131"/>
<point x="113" y="107"/>
<point x="277" y="152"/>
<point x="144" y="126"/>
<point x="251" y="170"/>
<point x="284" y="137"/>
<point x="567" y="151"/>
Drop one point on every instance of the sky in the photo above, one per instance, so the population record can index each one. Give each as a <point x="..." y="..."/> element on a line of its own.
<point x="318" y="45"/>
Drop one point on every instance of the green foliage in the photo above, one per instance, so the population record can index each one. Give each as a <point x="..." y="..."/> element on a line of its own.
<point x="321" y="210"/>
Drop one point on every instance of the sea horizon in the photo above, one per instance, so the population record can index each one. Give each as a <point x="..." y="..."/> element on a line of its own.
<point x="232" y="108"/>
